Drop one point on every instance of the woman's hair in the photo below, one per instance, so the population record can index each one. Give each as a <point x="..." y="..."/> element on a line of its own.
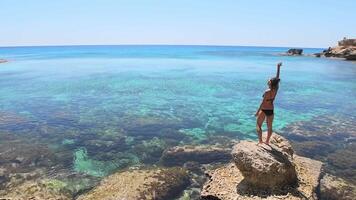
<point x="274" y="83"/>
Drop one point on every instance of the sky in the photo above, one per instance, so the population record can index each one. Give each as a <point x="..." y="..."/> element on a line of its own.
<point x="303" y="23"/>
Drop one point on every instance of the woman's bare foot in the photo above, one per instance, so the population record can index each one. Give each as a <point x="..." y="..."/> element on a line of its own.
<point x="267" y="143"/>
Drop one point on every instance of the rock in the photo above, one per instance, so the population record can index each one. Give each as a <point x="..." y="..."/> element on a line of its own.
<point x="36" y="190"/>
<point x="3" y="61"/>
<point x="157" y="184"/>
<point x="346" y="49"/>
<point x="202" y="154"/>
<point x="266" y="167"/>
<point x="334" y="188"/>
<point x="308" y="172"/>
<point x="351" y="56"/>
<point x="222" y="183"/>
<point x="227" y="183"/>
<point x="293" y="52"/>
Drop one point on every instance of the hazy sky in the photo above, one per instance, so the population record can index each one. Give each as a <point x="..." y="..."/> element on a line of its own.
<point x="303" y="23"/>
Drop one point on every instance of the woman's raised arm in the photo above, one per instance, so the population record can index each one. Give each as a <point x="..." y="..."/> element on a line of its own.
<point x="278" y="69"/>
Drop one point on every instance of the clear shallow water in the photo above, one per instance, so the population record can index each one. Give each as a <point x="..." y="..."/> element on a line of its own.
<point x="103" y="108"/>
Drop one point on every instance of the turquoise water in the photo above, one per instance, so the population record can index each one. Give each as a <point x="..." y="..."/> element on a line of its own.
<point x="103" y="108"/>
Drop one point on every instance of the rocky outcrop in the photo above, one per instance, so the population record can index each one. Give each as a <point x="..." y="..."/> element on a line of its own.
<point x="334" y="188"/>
<point x="346" y="49"/>
<point x="3" y="61"/>
<point x="266" y="167"/>
<point x="254" y="164"/>
<point x="157" y="184"/>
<point x="294" y="52"/>
<point x="201" y="154"/>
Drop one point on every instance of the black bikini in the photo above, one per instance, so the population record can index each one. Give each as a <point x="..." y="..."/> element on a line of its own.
<point x="268" y="112"/>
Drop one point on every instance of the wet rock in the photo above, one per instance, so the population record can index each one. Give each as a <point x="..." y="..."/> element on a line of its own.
<point x="150" y="151"/>
<point x="18" y="156"/>
<point x="343" y="162"/>
<point x="328" y="138"/>
<point x="36" y="190"/>
<point x="334" y="188"/>
<point x="202" y="154"/>
<point x="159" y="183"/>
<point x="266" y="167"/>
<point x="293" y="52"/>
<point x="314" y="149"/>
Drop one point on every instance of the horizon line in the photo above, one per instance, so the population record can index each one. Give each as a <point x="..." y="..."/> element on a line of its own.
<point x="134" y="44"/>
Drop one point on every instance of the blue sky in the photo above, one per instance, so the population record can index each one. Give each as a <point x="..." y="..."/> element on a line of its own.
<point x="303" y="23"/>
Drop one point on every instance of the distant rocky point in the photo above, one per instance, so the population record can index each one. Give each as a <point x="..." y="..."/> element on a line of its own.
<point x="346" y="49"/>
<point x="3" y="61"/>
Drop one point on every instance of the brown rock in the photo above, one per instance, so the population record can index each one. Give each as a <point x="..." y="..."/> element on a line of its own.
<point x="266" y="167"/>
<point x="35" y="190"/>
<point x="202" y="154"/>
<point x="226" y="183"/>
<point x="334" y="188"/>
<point x="160" y="183"/>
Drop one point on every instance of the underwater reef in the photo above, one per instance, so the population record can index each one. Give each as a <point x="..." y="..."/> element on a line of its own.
<point x="328" y="138"/>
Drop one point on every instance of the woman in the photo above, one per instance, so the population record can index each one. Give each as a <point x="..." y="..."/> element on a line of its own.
<point x="266" y="108"/>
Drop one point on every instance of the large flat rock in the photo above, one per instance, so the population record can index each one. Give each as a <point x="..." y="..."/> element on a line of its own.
<point x="148" y="184"/>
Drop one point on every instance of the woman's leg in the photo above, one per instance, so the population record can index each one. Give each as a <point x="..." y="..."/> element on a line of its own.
<point x="269" y="126"/>
<point x="260" y="119"/>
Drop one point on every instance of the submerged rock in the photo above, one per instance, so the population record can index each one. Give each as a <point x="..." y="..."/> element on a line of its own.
<point x="266" y="167"/>
<point x="157" y="184"/>
<point x="202" y="154"/>
<point x="334" y="188"/>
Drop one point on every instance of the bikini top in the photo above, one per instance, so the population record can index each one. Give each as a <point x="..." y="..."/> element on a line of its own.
<point x="271" y="99"/>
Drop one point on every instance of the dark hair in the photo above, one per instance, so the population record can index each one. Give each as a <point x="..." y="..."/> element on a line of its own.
<point x="274" y="83"/>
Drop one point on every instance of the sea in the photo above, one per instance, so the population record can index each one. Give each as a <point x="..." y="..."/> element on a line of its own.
<point x="81" y="113"/>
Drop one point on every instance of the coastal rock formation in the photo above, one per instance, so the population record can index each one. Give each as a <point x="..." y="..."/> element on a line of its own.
<point x="243" y="179"/>
<point x="266" y="167"/>
<point x="36" y="190"/>
<point x="157" y="184"/>
<point x="294" y="52"/>
<point x="202" y="154"/>
<point x="334" y="188"/>
<point x="346" y="49"/>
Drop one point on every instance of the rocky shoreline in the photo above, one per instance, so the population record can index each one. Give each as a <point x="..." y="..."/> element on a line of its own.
<point x="345" y="49"/>
<point x="241" y="170"/>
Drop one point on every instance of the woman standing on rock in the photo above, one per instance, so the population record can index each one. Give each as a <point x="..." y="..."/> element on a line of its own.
<point x="265" y="111"/>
